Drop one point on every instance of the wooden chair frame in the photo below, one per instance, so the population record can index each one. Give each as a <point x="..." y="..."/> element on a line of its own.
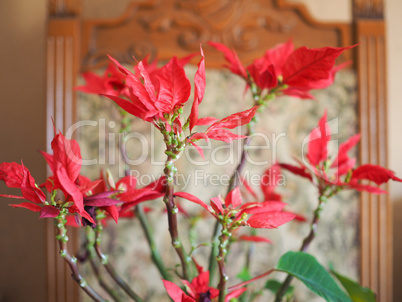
<point x="75" y="44"/>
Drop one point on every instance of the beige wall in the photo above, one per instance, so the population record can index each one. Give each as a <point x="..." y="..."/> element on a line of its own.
<point x="329" y="11"/>
<point x="22" y="120"/>
<point x="393" y="14"/>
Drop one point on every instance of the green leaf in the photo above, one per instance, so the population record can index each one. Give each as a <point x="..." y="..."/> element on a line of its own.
<point x="274" y="285"/>
<point x="244" y="275"/>
<point x="357" y="292"/>
<point x="306" y="268"/>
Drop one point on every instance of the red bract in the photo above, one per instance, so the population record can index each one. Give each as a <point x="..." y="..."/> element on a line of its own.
<point x="18" y="176"/>
<point x="89" y="187"/>
<point x="294" y="72"/>
<point x="199" y="84"/>
<point x="300" y="171"/>
<point x="199" y="288"/>
<point x="318" y="141"/>
<point x="254" y="239"/>
<point x="232" y="58"/>
<point x="142" y="96"/>
<point x="306" y="68"/>
<point x="270" y="181"/>
<point x="176" y="293"/>
<point x="111" y="82"/>
<point x="174" y="87"/>
<point x="343" y="161"/>
<point x="152" y="67"/>
<point x="374" y="173"/>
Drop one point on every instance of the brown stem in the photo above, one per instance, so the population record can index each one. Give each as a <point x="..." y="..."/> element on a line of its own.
<point x="235" y="178"/>
<point x="172" y="152"/>
<point x="172" y="211"/>
<point x="72" y="261"/>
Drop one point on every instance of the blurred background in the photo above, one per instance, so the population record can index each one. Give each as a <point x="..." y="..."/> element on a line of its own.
<point x="23" y="123"/>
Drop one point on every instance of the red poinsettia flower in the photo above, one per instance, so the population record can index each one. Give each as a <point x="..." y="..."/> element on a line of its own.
<point x="338" y="172"/>
<point x="268" y="214"/>
<point x="150" y="101"/>
<point x="198" y="290"/>
<point x="81" y="195"/>
<point x="294" y="72"/>
<point x="65" y="164"/>
<point x="157" y="95"/>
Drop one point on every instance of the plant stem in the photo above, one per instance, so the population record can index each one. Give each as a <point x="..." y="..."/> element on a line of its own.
<point x="70" y="260"/>
<point x="220" y="259"/>
<point x="214" y="252"/>
<point x="305" y="245"/>
<point x="172" y="211"/>
<point x="155" y="255"/>
<point x="102" y="282"/>
<point x="108" y="266"/>
<point x="235" y="178"/>
<point x="95" y="267"/>
<point x="172" y="152"/>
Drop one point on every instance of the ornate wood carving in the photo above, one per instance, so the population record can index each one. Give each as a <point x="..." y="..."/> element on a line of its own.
<point x="376" y="218"/>
<point x="64" y="8"/>
<point x="62" y="59"/>
<point x="177" y="27"/>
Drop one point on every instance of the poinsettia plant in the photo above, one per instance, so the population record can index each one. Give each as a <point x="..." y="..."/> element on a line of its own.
<point x="157" y="95"/>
